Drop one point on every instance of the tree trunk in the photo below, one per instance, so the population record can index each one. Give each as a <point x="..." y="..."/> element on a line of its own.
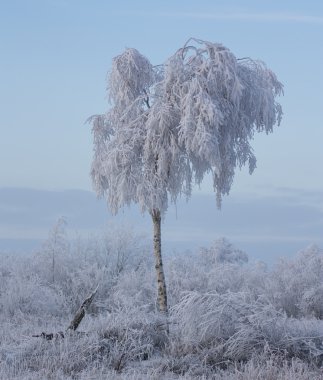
<point x="161" y="284"/>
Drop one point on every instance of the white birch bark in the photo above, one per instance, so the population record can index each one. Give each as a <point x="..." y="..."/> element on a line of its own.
<point x="161" y="283"/>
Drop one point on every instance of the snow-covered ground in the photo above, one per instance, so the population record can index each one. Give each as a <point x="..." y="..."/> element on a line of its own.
<point x="228" y="319"/>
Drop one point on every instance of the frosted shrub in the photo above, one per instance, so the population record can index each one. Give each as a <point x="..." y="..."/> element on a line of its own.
<point x="226" y="278"/>
<point x="28" y="295"/>
<point x="218" y="268"/>
<point x="183" y="274"/>
<point x="272" y="368"/>
<point x="222" y="251"/>
<point x="83" y="264"/>
<point x="132" y="335"/>
<point x="59" y="359"/>
<point x="123" y="248"/>
<point x="24" y="293"/>
<point x="264" y="328"/>
<point x="129" y="291"/>
<point x="209" y="317"/>
<point x="233" y="326"/>
<point x="295" y="285"/>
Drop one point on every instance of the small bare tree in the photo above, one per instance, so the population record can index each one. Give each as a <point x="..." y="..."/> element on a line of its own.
<point x="170" y="124"/>
<point x="56" y="245"/>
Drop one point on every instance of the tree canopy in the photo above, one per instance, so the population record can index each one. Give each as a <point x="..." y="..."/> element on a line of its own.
<point x="169" y="125"/>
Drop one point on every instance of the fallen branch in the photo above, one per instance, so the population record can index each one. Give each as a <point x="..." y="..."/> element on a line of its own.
<point x="75" y="321"/>
<point x="81" y="311"/>
<point x="50" y="336"/>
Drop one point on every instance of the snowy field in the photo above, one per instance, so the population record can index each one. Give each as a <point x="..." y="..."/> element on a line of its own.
<point x="228" y="319"/>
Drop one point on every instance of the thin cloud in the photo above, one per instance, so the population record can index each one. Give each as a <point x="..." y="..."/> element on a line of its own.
<point x="243" y="16"/>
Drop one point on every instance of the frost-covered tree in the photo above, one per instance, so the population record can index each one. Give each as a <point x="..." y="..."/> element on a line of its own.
<point x="222" y="251"/>
<point x="169" y="125"/>
<point x="56" y="245"/>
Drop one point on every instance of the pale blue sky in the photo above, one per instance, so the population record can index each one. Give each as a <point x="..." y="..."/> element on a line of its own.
<point x="55" y="55"/>
<point x="54" y="58"/>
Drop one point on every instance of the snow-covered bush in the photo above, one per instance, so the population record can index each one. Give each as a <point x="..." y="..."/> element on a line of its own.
<point x="217" y="268"/>
<point x="222" y="251"/>
<point x="296" y="285"/>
